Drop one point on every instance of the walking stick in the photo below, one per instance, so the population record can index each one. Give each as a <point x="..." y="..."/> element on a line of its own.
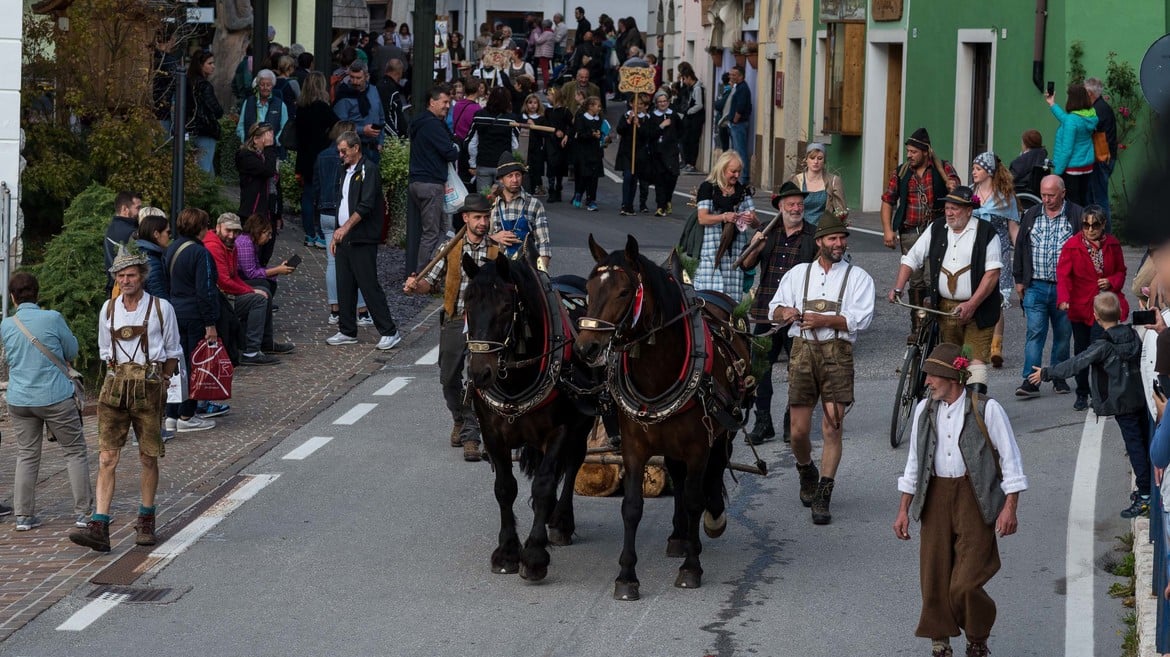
<point x="776" y="221"/>
<point x="634" y="139"/>
<point x="442" y="253"/>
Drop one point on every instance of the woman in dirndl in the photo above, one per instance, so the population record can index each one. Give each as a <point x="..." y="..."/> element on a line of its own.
<point x="726" y="211"/>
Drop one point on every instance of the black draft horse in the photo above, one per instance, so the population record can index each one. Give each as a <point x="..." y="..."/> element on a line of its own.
<point x="678" y="371"/>
<point x="519" y="343"/>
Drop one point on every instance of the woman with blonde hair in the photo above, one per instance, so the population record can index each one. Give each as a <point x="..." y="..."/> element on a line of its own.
<point x="825" y="191"/>
<point x="256" y="164"/>
<point x="726" y="211"/>
<point x="995" y="187"/>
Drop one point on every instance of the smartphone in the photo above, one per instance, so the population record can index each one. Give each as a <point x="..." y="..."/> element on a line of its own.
<point x="294" y="261"/>
<point x="1051" y="88"/>
<point x="376" y="126"/>
<point x="1144" y="317"/>
<point x="1158" y="388"/>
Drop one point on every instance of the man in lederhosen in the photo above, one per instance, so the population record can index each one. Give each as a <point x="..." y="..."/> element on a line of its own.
<point x="138" y="338"/>
<point x="964" y="261"/>
<point x="828" y="301"/>
<point x="790" y="243"/>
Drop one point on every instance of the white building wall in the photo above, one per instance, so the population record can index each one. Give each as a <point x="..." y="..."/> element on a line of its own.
<point x="10" y="54"/>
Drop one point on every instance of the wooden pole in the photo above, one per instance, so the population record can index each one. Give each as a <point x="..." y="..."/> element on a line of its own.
<point x="442" y="253"/>
<point x="634" y="134"/>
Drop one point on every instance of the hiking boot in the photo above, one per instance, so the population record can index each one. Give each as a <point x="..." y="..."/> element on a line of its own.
<point x="145" y="529"/>
<point x="820" y="502"/>
<point x="809" y="476"/>
<point x="997" y="351"/>
<point x="1138" y="506"/>
<point x="95" y="536"/>
<point x="978" y="649"/>
<point x="941" y="651"/>
<point x="1081" y="403"/>
<point x="457" y="429"/>
<point x="471" y="452"/>
<point x="763" y="431"/>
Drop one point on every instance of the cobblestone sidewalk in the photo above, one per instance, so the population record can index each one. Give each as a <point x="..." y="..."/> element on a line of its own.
<point x="39" y="567"/>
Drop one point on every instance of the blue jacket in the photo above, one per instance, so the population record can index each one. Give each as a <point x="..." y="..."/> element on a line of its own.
<point x="158" y="281"/>
<point x="1074" y="139"/>
<point x="348" y="108"/>
<point x="325" y="171"/>
<point x="194" y="292"/>
<point x="33" y="380"/>
<point x="432" y="148"/>
<point x="741" y="103"/>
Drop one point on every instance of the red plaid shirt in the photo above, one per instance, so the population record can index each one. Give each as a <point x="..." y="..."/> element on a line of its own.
<point x="919" y="192"/>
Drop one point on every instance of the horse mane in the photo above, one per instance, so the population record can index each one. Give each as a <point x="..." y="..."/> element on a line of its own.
<point x="668" y="299"/>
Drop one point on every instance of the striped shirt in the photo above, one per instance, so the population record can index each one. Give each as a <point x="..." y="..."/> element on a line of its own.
<point x="523" y="215"/>
<point x="1048" y="236"/>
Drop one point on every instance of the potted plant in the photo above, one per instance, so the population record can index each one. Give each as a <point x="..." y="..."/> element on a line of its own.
<point x="716" y="53"/>
<point x="739" y="51"/>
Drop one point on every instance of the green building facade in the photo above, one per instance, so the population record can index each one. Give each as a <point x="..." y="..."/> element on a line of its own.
<point x="964" y="71"/>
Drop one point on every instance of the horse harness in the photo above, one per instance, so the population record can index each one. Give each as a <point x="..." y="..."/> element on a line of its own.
<point x="558" y="350"/>
<point x="696" y="383"/>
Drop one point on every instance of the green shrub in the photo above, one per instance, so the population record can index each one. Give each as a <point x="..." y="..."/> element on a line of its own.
<point x="73" y="277"/>
<point x="225" y="150"/>
<point x="395" y="170"/>
<point x="208" y="196"/>
<point x="290" y="187"/>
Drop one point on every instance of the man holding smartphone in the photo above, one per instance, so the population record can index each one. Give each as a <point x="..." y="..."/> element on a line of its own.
<point x="358" y="101"/>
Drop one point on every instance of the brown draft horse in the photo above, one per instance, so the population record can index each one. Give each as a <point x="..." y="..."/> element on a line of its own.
<point x="679" y="374"/>
<point x="519" y="342"/>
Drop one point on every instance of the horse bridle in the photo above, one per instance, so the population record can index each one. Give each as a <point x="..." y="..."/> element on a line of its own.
<point x="479" y="347"/>
<point x="634" y="308"/>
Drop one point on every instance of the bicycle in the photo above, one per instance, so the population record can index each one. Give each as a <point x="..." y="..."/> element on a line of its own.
<point x="911" y="376"/>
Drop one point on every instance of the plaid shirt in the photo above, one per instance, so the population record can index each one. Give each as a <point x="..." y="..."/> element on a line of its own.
<point x="438" y="273"/>
<point x="919" y="192"/>
<point x="507" y="215"/>
<point x="1048" y="236"/>
<point x="726" y="279"/>
<point x="784" y="256"/>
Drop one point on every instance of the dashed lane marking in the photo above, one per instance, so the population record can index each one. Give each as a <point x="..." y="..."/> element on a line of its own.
<point x="1079" y="566"/>
<point x="307" y="448"/>
<point x="356" y="413"/>
<point x="85" y="616"/>
<point x="396" y="384"/>
<point x="429" y="358"/>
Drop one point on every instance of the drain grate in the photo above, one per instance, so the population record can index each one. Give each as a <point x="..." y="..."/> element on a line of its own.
<point x="139" y="594"/>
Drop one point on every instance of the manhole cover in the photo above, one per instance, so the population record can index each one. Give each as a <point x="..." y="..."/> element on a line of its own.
<point x="139" y="594"/>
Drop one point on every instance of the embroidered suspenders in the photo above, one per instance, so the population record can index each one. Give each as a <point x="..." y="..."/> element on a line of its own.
<point x="824" y="305"/>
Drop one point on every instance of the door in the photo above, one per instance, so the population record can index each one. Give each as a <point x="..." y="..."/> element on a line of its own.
<point x="893" y="150"/>
<point x="980" y="98"/>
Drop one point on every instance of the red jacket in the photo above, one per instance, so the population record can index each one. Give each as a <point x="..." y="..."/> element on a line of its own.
<point x="1076" y="279"/>
<point x="228" y="273"/>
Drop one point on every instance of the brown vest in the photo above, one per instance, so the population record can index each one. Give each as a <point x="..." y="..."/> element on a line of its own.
<point x="454" y="273"/>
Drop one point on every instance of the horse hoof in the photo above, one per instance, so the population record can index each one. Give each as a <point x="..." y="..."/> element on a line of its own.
<point x="559" y="538"/>
<point x="714" y="527"/>
<point x="688" y="579"/>
<point x="506" y="568"/>
<point x="625" y="591"/>
<point x="676" y="548"/>
<point x="533" y="574"/>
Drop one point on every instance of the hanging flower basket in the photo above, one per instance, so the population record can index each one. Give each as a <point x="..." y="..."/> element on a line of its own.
<point x="716" y="55"/>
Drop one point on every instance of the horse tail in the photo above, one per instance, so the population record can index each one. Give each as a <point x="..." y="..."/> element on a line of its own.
<point x="531" y="459"/>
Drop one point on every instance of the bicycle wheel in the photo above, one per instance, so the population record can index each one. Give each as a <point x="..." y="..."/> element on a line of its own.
<point x="908" y="387"/>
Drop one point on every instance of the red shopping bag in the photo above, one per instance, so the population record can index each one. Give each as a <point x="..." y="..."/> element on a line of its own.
<point x="211" y="372"/>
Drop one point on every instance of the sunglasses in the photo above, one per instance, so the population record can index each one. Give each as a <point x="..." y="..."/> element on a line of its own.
<point x="1092" y="224"/>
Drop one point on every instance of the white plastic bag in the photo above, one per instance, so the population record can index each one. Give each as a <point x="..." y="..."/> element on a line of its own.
<point x="454" y="192"/>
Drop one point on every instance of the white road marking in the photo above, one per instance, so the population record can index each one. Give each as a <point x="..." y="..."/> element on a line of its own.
<point x="429" y="358"/>
<point x="186" y="537"/>
<point x="1078" y="565"/>
<point x="356" y="413"/>
<point x="612" y="176"/>
<point x="85" y="616"/>
<point x="396" y="384"/>
<point x="307" y="448"/>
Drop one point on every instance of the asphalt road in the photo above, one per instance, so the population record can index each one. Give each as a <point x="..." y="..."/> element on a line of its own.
<point x="377" y="542"/>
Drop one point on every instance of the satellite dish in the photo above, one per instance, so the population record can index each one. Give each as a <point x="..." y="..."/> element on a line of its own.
<point x="1155" y="75"/>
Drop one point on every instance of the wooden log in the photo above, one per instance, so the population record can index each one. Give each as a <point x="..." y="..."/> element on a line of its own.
<point x="657" y="460"/>
<point x="654" y="481"/>
<point x="597" y="479"/>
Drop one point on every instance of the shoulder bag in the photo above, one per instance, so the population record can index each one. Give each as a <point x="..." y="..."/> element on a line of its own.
<point x="73" y="375"/>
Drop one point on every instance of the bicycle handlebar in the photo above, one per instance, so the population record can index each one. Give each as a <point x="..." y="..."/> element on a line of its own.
<point x="899" y="302"/>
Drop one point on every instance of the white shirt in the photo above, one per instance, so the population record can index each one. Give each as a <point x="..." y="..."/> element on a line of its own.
<point x="164" y="338"/>
<point x="343" y="210"/>
<point x="856" y="304"/>
<point x="957" y="256"/>
<point x="948" y="459"/>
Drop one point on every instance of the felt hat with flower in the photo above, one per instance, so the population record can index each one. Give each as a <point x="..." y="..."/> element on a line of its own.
<point x="949" y="361"/>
